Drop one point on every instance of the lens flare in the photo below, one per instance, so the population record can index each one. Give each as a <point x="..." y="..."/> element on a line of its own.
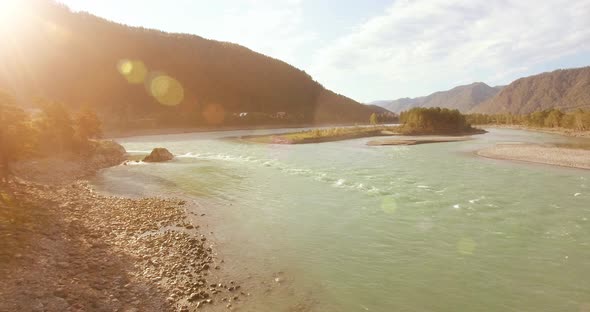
<point x="389" y="205"/>
<point x="125" y="68"/>
<point x="167" y="90"/>
<point x="214" y="114"/>
<point x="466" y="246"/>
<point x="134" y="71"/>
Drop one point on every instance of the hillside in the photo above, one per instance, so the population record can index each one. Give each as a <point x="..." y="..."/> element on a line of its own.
<point x="566" y="90"/>
<point x="463" y="98"/>
<point x="379" y="109"/>
<point x="136" y="77"/>
<point x="399" y="105"/>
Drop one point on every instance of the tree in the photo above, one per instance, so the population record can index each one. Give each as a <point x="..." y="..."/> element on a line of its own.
<point x="578" y="120"/>
<point x="553" y="119"/>
<point x="88" y="126"/>
<point x="373" y="119"/>
<point x="434" y="120"/>
<point x="56" y="128"/>
<point x="16" y="134"/>
<point x="581" y="120"/>
<point x="231" y="76"/>
<point x="537" y="119"/>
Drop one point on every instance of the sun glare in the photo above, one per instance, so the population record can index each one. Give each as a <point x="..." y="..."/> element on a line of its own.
<point x="133" y="70"/>
<point x="10" y="11"/>
<point x="167" y="90"/>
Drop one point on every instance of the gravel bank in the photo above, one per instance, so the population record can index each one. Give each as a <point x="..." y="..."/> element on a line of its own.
<point x="417" y="140"/>
<point x="567" y="157"/>
<point x="66" y="248"/>
<point x="560" y="131"/>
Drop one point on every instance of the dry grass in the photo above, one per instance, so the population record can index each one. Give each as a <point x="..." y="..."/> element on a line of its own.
<point x="324" y="135"/>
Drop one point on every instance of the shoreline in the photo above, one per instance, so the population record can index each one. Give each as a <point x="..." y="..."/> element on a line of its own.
<point x="303" y="137"/>
<point x="539" y="154"/>
<point x="277" y="138"/>
<point x="118" y="134"/>
<point x="67" y="247"/>
<point x="417" y="140"/>
<point x="559" y="131"/>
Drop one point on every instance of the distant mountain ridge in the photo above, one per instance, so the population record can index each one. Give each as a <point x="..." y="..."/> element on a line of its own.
<point x="399" y="105"/>
<point x="564" y="89"/>
<point x="134" y="75"/>
<point x="464" y="98"/>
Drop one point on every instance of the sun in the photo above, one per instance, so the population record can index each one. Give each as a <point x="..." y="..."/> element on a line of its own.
<point x="10" y="13"/>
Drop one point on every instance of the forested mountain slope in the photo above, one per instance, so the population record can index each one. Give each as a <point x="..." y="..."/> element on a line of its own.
<point x="565" y="89"/>
<point x="463" y="98"/>
<point x="136" y="77"/>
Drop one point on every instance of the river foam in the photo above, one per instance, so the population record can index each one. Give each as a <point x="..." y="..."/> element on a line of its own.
<point x="273" y="163"/>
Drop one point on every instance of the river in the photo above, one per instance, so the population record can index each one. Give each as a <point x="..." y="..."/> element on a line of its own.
<point x="342" y="226"/>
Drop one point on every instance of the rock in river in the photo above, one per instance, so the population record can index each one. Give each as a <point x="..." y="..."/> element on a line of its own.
<point x="159" y="154"/>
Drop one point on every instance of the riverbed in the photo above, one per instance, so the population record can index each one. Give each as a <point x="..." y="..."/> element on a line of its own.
<point x="342" y="226"/>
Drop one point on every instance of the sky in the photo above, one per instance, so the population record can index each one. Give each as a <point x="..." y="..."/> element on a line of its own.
<point x="382" y="49"/>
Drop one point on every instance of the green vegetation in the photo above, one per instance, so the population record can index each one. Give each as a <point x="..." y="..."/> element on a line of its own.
<point x="17" y="136"/>
<point x="49" y="132"/>
<point x="578" y="120"/>
<point x="324" y="135"/>
<point x="88" y="124"/>
<point x="434" y="120"/>
<point x="373" y="119"/>
<point x="417" y="121"/>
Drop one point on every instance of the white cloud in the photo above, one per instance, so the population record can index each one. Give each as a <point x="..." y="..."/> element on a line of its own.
<point x="429" y="44"/>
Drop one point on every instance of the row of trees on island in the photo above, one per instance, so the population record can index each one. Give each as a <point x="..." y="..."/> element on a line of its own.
<point x="49" y="130"/>
<point x="382" y="118"/>
<point x="434" y="120"/>
<point x="443" y="120"/>
<point x="552" y="118"/>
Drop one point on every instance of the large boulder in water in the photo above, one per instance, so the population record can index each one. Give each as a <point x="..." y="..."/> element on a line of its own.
<point x="112" y="152"/>
<point x="159" y="154"/>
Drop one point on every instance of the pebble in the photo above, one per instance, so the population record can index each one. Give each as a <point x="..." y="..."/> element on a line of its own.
<point x="174" y="262"/>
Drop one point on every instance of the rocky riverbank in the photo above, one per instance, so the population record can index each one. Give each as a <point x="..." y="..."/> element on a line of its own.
<point x="560" y="131"/>
<point x="550" y="155"/>
<point x="66" y="248"/>
<point x="66" y="168"/>
<point x="63" y="247"/>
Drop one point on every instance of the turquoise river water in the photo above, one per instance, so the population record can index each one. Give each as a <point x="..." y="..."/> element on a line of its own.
<point x="342" y="226"/>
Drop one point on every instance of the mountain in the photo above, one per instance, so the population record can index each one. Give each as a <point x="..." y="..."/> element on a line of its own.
<point x="379" y="109"/>
<point x="463" y="98"/>
<point x="399" y="105"/>
<point x="137" y="77"/>
<point x="565" y="89"/>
